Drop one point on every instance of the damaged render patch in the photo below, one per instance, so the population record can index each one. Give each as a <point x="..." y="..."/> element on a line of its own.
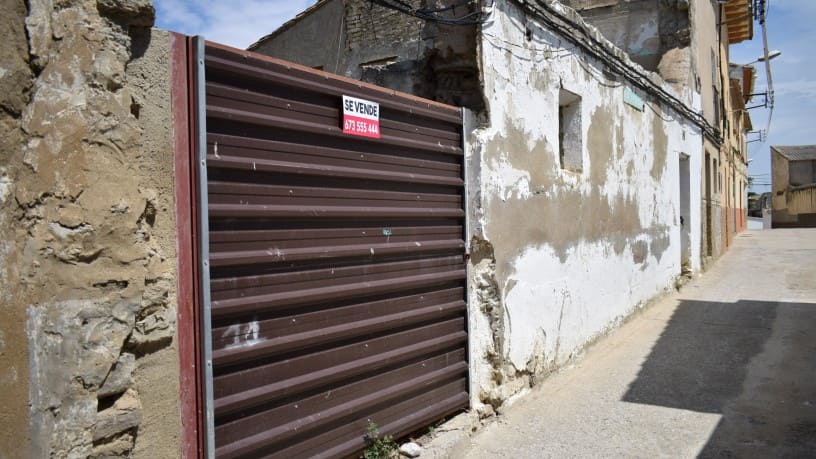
<point x="5" y="185"/>
<point x="660" y="142"/>
<point x="75" y="346"/>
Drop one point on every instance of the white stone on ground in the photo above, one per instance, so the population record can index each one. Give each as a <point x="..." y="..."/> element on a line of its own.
<point x="410" y="449"/>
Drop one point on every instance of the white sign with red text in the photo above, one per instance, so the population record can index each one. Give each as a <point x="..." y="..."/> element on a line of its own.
<point x="361" y="117"/>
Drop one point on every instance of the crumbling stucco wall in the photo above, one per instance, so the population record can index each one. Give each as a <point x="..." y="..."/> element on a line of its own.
<point x="88" y="243"/>
<point x="559" y="257"/>
<point x="15" y="82"/>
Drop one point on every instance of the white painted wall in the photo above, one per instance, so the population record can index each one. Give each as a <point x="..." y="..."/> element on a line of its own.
<point x="567" y="266"/>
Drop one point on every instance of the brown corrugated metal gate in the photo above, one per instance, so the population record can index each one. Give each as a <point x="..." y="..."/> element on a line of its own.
<point x="335" y="264"/>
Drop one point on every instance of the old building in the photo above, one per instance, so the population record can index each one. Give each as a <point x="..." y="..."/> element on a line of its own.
<point x="199" y="259"/>
<point x="735" y="20"/>
<point x="685" y="41"/>
<point x="793" y="170"/>
<point x="583" y="166"/>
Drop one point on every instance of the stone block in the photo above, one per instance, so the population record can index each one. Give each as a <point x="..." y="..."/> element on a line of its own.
<point x="410" y="449"/>
<point x="119" y="446"/>
<point x="120" y="377"/>
<point x="132" y="12"/>
<point x="125" y="414"/>
<point x="74" y="345"/>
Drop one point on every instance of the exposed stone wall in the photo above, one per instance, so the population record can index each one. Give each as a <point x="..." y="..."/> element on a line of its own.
<point x="88" y="233"/>
<point x="385" y="47"/>
<point x="15" y="83"/>
<point x="369" y="24"/>
<point x="424" y="58"/>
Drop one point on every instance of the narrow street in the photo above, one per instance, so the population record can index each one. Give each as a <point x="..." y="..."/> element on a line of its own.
<point x="725" y="368"/>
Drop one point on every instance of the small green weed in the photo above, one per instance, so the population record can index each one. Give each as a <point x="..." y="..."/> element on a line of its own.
<point x="379" y="448"/>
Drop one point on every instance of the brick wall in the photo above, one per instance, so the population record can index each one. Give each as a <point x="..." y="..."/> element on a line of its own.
<point x="368" y="24"/>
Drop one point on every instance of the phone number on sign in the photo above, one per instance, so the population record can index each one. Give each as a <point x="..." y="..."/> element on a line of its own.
<point x="361" y="127"/>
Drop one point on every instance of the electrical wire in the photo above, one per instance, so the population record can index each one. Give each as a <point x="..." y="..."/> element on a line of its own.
<point x="769" y="98"/>
<point x="579" y="35"/>
<point x="548" y="55"/>
<point x="659" y="114"/>
<point x="551" y="53"/>
<point x="473" y="18"/>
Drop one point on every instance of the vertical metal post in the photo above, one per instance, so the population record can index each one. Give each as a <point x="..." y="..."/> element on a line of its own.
<point x="466" y="236"/>
<point x="204" y="248"/>
<point x="465" y="127"/>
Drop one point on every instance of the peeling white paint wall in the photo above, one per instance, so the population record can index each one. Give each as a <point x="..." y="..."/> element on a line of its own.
<point x="571" y="253"/>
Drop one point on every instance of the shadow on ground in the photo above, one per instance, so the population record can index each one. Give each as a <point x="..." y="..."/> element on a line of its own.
<point x="753" y="362"/>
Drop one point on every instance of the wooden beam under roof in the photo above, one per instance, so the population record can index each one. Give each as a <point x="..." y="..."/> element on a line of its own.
<point x="739" y="20"/>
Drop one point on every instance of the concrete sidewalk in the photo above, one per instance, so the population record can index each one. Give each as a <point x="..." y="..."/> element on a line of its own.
<point x="725" y="368"/>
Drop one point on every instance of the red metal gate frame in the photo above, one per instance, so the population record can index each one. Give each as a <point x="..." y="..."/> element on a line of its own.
<point x="188" y="294"/>
<point x="187" y="54"/>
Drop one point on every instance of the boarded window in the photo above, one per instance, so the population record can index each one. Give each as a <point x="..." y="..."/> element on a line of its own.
<point x="569" y="131"/>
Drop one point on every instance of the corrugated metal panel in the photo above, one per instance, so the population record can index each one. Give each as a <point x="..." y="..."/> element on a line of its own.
<point x="336" y="262"/>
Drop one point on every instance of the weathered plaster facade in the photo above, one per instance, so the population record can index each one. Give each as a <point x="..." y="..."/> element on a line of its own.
<point x="88" y="261"/>
<point x="560" y="257"/>
<point x="687" y="42"/>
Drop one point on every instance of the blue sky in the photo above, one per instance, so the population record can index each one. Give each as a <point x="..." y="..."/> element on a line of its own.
<point x="231" y="22"/>
<point x="241" y="23"/>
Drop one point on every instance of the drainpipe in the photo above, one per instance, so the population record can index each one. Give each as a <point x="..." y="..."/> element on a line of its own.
<point x="723" y="113"/>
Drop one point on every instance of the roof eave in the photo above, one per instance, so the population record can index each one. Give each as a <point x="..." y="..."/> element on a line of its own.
<point x="288" y="24"/>
<point x="739" y="21"/>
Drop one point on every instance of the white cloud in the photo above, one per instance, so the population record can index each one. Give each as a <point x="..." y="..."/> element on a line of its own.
<point x="234" y="23"/>
<point x="800" y="87"/>
<point x="790" y="59"/>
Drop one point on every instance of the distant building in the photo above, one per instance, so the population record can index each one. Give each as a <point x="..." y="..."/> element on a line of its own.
<point x="794" y="186"/>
